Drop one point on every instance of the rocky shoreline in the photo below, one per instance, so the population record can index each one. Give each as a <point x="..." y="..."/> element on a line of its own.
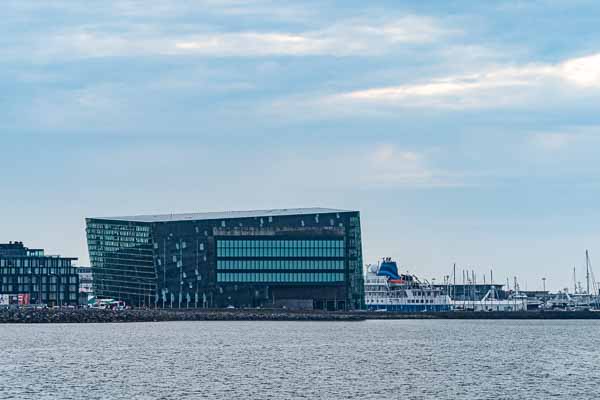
<point x="87" y="315"/>
<point x="65" y="315"/>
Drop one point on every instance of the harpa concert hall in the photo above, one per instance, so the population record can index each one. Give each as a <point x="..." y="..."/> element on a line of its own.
<point x="297" y="258"/>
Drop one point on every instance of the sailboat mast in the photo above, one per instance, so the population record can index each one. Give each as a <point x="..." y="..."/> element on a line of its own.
<point x="454" y="281"/>
<point x="587" y="271"/>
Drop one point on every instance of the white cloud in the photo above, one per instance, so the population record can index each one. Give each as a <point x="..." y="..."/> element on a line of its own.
<point x="492" y="87"/>
<point x="352" y="37"/>
<point x="583" y="71"/>
<point x="349" y="37"/>
<point x="248" y="44"/>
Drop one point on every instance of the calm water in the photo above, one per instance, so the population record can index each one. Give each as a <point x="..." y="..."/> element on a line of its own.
<point x="287" y="360"/>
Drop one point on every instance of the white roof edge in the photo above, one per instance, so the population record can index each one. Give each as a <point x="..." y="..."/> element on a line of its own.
<point x="224" y="215"/>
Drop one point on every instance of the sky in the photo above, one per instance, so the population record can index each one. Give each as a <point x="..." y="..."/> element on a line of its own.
<point x="464" y="132"/>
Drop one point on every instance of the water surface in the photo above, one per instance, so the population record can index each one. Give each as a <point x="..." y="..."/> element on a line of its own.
<point x="405" y="359"/>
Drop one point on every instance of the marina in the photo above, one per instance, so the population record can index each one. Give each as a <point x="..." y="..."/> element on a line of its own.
<point x="388" y="290"/>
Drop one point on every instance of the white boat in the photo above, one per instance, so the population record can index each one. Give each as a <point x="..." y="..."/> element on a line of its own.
<point x="490" y="302"/>
<point x="387" y="290"/>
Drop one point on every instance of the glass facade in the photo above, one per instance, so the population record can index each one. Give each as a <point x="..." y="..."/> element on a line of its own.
<point x="280" y="248"/>
<point x="355" y="262"/>
<point x="281" y="261"/>
<point x="293" y="265"/>
<point x="245" y="259"/>
<point x="122" y="262"/>
<point x="281" y="277"/>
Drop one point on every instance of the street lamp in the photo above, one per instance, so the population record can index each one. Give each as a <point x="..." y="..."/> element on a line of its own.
<point x="544" y="288"/>
<point x="544" y="284"/>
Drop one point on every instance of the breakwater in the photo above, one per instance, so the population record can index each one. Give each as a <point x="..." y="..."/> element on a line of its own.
<point x="86" y="315"/>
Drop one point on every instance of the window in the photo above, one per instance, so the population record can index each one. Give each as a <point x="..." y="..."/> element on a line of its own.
<point x="281" y="260"/>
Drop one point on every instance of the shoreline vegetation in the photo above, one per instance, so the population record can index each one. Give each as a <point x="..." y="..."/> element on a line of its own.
<point x="87" y="315"/>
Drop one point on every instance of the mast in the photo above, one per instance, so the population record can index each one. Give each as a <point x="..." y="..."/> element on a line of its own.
<point x="473" y="286"/>
<point x="483" y="305"/>
<point x="516" y="292"/>
<point x="587" y="271"/>
<point x="492" y="283"/>
<point x="574" y="281"/>
<point x="464" y="290"/>
<point x="454" y="286"/>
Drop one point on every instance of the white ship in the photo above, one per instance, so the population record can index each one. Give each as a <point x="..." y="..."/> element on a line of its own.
<point x="387" y="290"/>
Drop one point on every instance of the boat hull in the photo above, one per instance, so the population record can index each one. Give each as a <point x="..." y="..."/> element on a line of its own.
<point x="409" y="308"/>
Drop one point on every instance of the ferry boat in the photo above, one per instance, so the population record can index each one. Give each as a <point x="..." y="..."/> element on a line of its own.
<point x="388" y="290"/>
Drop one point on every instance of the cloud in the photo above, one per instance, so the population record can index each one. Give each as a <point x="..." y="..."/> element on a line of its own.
<point x="344" y="38"/>
<point x="249" y="44"/>
<point x="489" y="88"/>
<point x="341" y="39"/>
<point x="583" y="71"/>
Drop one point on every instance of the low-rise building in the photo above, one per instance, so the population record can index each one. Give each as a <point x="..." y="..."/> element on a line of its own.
<point x="28" y="276"/>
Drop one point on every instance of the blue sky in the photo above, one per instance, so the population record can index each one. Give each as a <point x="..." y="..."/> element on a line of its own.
<point x="464" y="132"/>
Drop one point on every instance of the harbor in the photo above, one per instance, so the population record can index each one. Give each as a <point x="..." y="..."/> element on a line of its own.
<point x="90" y="315"/>
<point x="32" y="295"/>
<point x="387" y="290"/>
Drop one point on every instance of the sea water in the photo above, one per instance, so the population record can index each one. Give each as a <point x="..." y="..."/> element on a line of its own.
<point x="404" y="359"/>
